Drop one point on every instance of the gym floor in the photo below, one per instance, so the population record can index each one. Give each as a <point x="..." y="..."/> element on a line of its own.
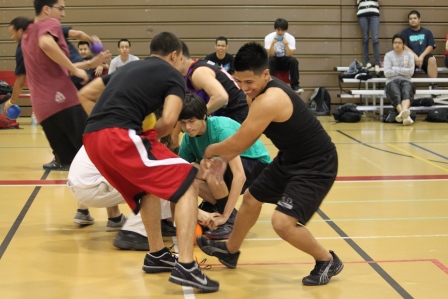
<point x="386" y="218"/>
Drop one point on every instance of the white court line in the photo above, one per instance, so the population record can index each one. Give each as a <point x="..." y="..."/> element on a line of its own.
<point x="333" y="201"/>
<point x="372" y="219"/>
<point x="188" y="291"/>
<point x="357" y="237"/>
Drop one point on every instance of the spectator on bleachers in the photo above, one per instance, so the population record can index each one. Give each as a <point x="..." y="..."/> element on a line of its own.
<point x="221" y="57"/>
<point x="369" y="19"/>
<point x="420" y="42"/>
<point x="124" y="48"/>
<point x="446" y="51"/>
<point x="84" y="51"/>
<point x="280" y="46"/>
<point x="398" y="68"/>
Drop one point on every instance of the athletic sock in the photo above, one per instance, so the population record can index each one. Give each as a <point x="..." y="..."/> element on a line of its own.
<point x="116" y="219"/>
<point x="160" y="252"/>
<point x="221" y="204"/>
<point x="187" y="265"/>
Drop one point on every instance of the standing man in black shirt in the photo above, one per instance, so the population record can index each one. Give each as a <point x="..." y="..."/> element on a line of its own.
<point x="221" y="57"/>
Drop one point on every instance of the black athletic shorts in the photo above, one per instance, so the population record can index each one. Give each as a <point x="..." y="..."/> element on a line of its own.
<point x="297" y="189"/>
<point x="252" y="169"/>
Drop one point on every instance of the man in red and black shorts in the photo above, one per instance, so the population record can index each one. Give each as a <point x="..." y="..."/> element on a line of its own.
<point x="140" y="167"/>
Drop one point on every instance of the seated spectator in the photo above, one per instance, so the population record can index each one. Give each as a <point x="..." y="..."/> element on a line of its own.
<point x="221" y="57"/>
<point x="280" y="46"/>
<point x="84" y="51"/>
<point x="446" y="51"/>
<point x="420" y="42"/>
<point x="124" y="48"/>
<point x="398" y="68"/>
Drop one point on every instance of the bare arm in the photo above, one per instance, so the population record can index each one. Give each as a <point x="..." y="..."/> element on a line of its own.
<point x="239" y="178"/>
<point x="289" y="52"/>
<point x="89" y="94"/>
<point x="171" y="110"/>
<point x="52" y="50"/>
<point x="273" y="105"/>
<point x="17" y="89"/>
<point x="205" y="78"/>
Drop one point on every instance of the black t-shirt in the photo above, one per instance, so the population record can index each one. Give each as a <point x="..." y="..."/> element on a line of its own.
<point x="301" y="137"/>
<point x="237" y="98"/>
<point x="20" y="63"/>
<point x="134" y="91"/>
<point x="225" y="63"/>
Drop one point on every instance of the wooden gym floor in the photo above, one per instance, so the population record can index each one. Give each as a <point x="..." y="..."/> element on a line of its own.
<point x="386" y="217"/>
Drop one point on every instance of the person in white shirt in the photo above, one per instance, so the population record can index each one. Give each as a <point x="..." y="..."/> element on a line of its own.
<point x="280" y="46"/>
<point x="124" y="48"/>
<point x="399" y="65"/>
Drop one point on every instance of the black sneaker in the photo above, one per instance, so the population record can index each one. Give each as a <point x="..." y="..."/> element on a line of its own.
<point x="219" y="250"/>
<point x="56" y="165"/>
<point x="232" y="217"/>
<point x="297" y="88"/>
<point x="127" y="240"/>
<point x="168" y="229"/>
<point x="193" y="278"/>
<point x="222" y="232"/>
<point x="324" y="271"/>
<point x="163" y="263"/>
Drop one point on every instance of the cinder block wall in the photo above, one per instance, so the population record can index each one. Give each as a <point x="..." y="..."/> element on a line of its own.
<point x="327" y="31"/>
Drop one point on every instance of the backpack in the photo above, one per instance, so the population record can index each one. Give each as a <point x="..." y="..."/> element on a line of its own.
<point x="429" y="101"/>
<point x="390" y="118"/>
<point x="5" y="88"/>
<point x="347" y="113"/>
<point x="320" y="101"/>
<point x="354" y="68"/>
<point x="439" y="115"/>
<point x="6" y="123"/>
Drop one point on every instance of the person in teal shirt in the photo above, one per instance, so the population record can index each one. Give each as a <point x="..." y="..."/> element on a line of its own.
<point x="219" y="194"/>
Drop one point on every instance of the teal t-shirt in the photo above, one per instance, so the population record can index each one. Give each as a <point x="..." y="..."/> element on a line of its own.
<point x="218" y="128"/>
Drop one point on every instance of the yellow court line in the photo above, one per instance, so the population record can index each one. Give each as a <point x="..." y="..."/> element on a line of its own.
<point x="417" y="157"/>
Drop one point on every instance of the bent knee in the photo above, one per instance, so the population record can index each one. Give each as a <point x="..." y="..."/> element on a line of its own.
<point x="283" y="224"/>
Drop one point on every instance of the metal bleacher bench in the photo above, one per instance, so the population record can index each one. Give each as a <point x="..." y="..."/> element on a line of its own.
<point x="345" y="68"/>
<point x="373" y="92"/>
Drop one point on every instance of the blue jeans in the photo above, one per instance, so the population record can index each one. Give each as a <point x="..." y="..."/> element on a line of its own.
<point x="372" y="23"/>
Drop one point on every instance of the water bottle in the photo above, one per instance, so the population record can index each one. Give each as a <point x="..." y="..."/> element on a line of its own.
<point x="33" y="120"/>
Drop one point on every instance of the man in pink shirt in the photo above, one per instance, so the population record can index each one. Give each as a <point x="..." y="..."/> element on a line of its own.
<point x="48" y="66"/>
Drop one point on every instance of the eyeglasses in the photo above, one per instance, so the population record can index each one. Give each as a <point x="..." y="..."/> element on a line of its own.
<point x="398" y="43"/>
<point x="61" y="8"/>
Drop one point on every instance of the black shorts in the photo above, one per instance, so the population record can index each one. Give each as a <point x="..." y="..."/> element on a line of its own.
<point x="297" y="189"/>
<point x="252" y="169"/>
<point x="425" y="63"/>
<point x="446" y="61"/>
<point x="398" y="90"/>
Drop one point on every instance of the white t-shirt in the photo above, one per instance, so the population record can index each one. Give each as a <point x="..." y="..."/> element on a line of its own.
<point x="83" y="173"/>
<point x="279" y="47"/>
<point x="117" y="62"/>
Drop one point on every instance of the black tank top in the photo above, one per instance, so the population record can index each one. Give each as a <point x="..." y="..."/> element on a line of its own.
<point x="237" y="98"/>
<point x="301" y="137"/>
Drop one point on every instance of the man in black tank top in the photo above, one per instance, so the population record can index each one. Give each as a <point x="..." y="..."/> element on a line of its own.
<point x="296" y="181"/>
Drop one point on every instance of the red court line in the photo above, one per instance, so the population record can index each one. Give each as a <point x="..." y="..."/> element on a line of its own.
<point x="436" y="262"/>
<point x="340" y="179"/>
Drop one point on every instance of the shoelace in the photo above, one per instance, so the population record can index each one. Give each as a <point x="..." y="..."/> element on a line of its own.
<point x="202" y="264"/>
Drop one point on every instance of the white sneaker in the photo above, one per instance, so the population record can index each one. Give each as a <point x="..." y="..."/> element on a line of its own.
<point x="403" y="115"/>
<point x="408" y="121"/>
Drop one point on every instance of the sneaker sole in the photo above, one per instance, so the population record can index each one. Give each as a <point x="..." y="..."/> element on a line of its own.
<point x="407" y="122"/>
<point x="83" y="222"/>
<point x="212" y="251"/>
<point x="113" y="229"/>
<point x="122" y="245"/>
<point x="156" y="269"/>
<point x="188" y="283"/>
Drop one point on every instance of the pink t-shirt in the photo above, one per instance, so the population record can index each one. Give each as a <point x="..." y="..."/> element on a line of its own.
<point x="50" y="86"/>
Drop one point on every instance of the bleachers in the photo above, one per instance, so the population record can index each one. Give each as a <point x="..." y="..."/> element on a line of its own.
<point x="327" y="31"/>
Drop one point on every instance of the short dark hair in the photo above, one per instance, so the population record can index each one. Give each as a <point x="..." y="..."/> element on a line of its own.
<point x="165" y="43"/>
<point x="185" y="50"/>
<point x="400" y="36"/>
<point x="414" y="12"/>
<point x="194" y="106"/>
<point x="83" y="42"/>
<point x="219" y="38"/>
<point x="39" y="5"/>
<point x="20" y="23"/>
<point x="281" y="24"/>
<point x="251" y="57"/>
<point x="124" y="40"/>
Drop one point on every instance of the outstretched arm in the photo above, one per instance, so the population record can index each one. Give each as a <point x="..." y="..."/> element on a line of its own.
<point x="89" y="94"/>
